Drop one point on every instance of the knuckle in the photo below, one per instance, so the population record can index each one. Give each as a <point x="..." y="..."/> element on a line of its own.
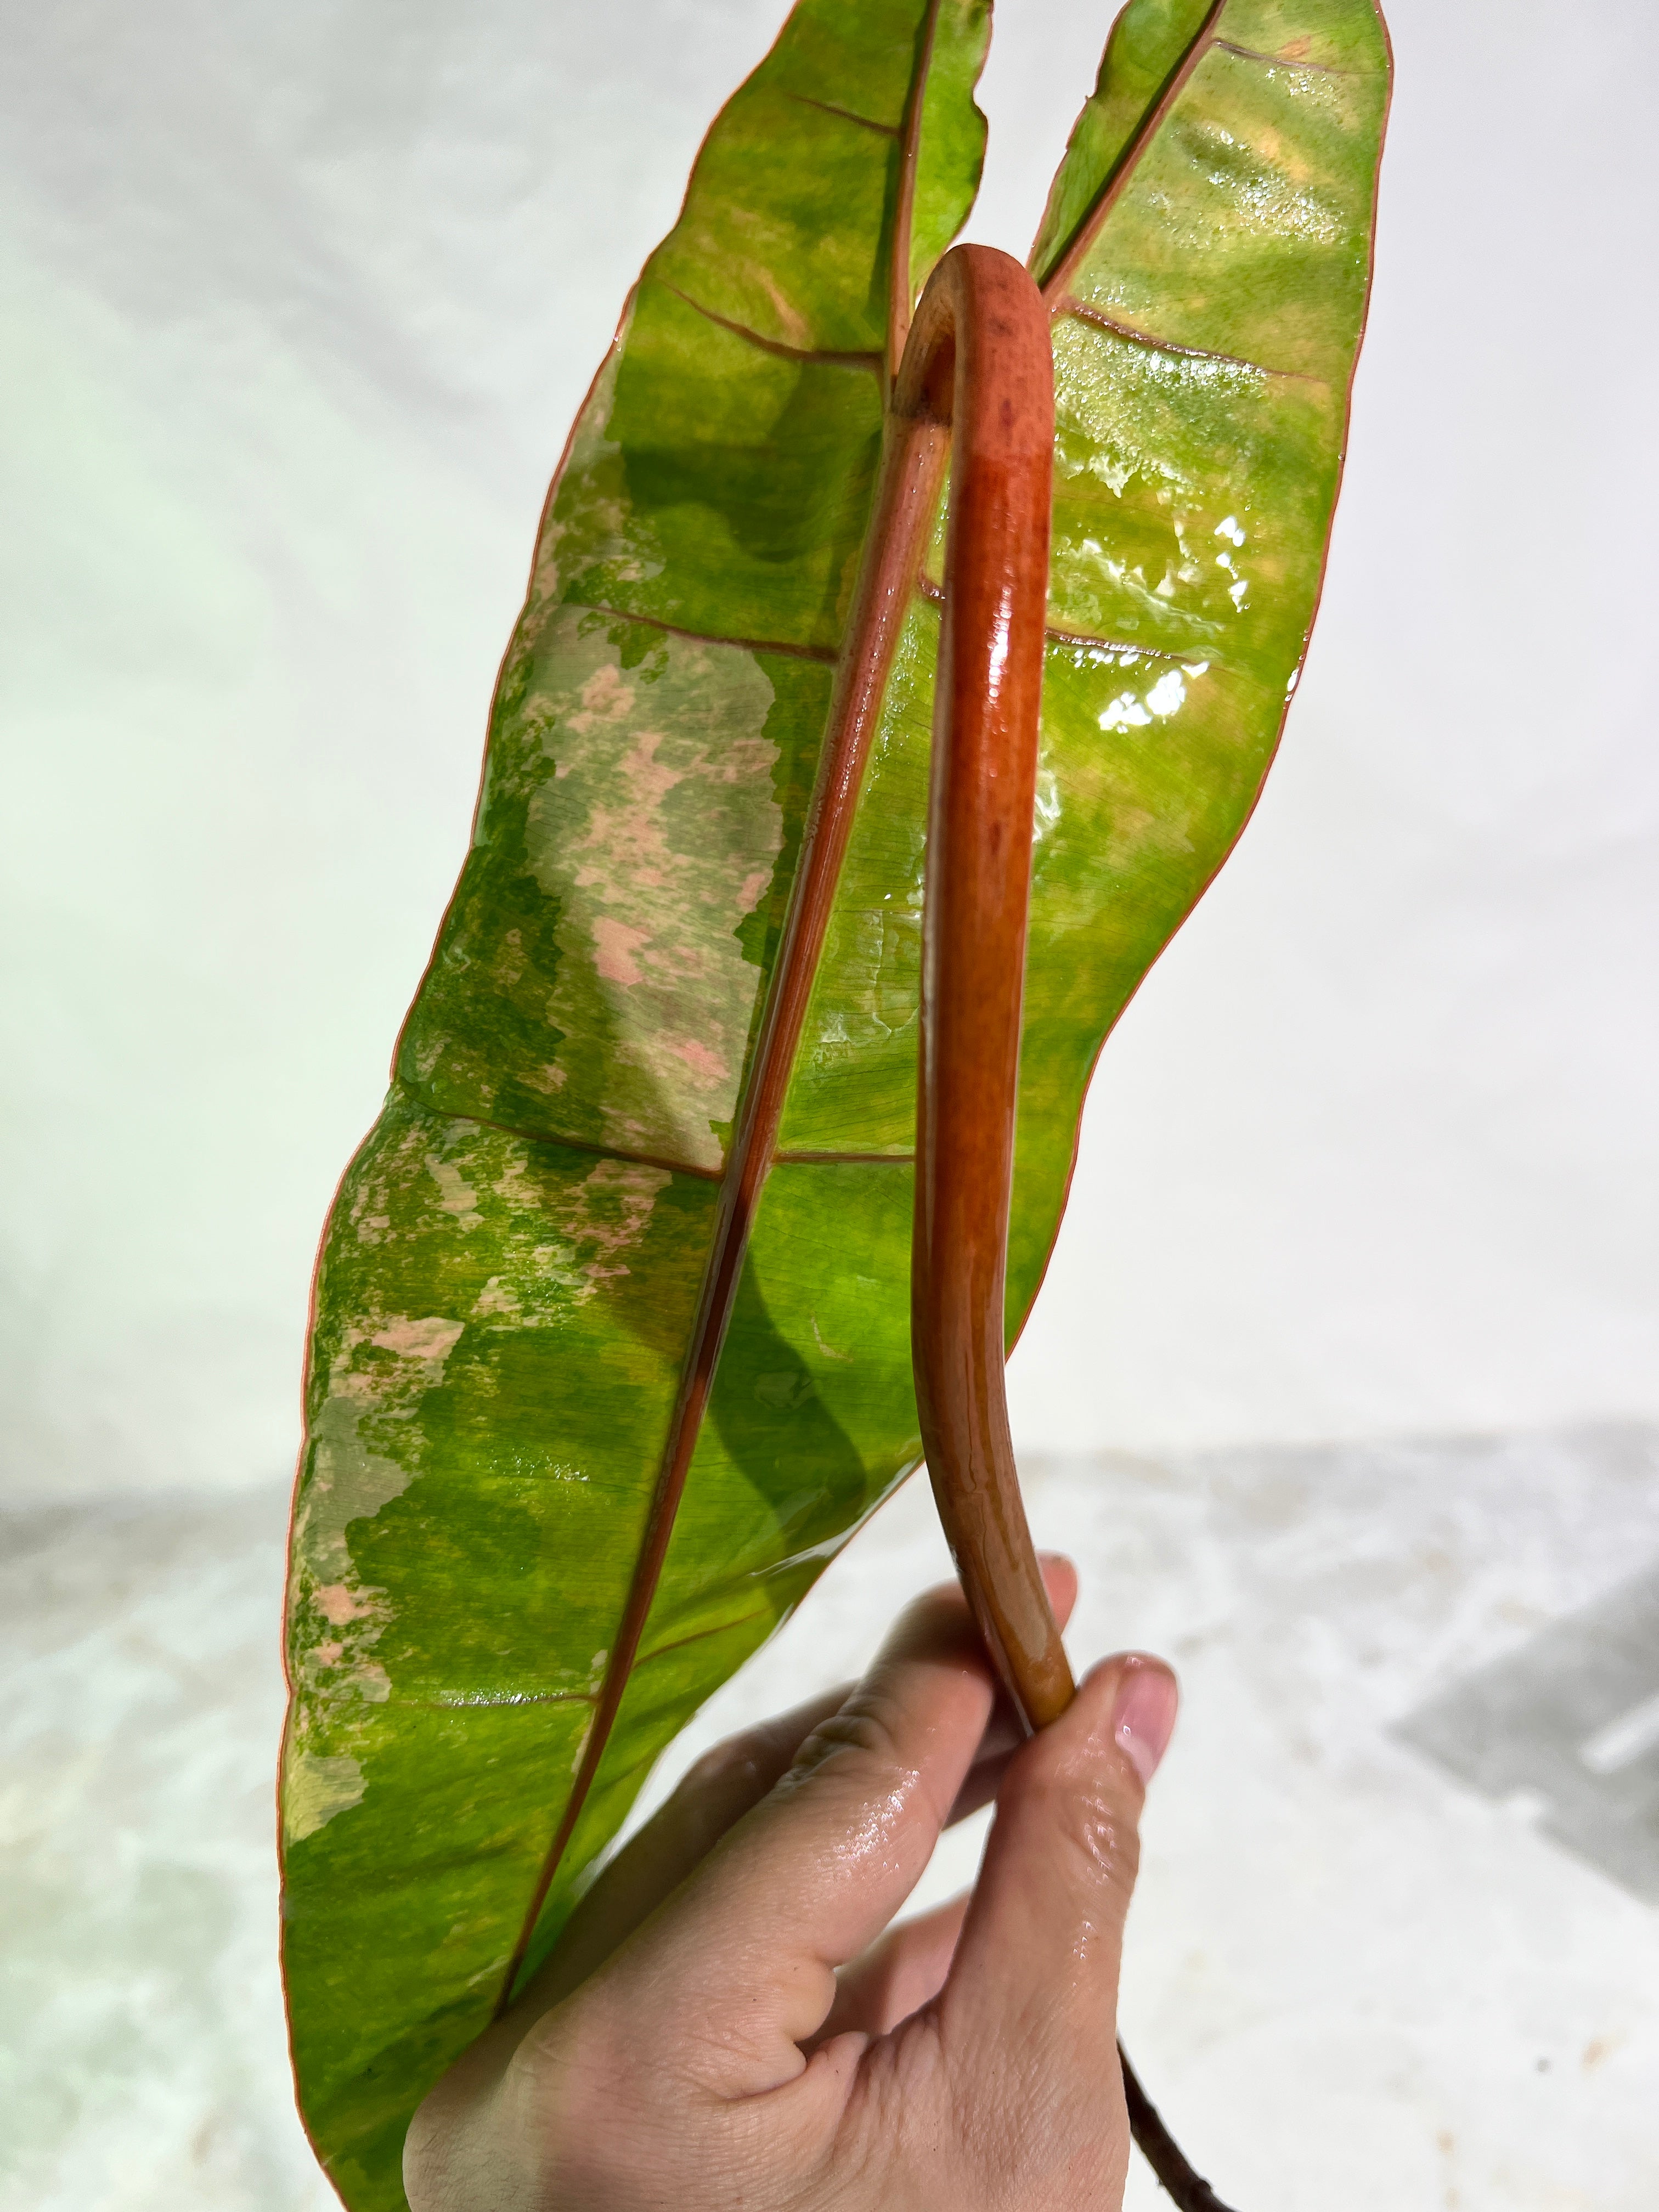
<point x="866" y="1730"/>
<point x="1084" y="1804"/>
<point x="1104" y="1844"/>
<point x="1107" y="1844"/>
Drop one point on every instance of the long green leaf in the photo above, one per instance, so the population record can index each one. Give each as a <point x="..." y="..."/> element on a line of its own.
<point x="483" y="1672"/>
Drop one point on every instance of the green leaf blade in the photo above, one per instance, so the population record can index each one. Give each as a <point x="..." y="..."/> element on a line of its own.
<point x="506" y="1295"/>
<point x="1147" y="43"/>
<point x="1207" y="250"/>
<point x="744" y="475"/>
<point x="453" y="1587"/>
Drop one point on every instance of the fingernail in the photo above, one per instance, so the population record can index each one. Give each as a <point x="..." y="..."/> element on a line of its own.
<point x="1144" y="1717"/>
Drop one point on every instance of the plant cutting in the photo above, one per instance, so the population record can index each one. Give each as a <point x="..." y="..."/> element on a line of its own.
<point x="612" y="1342"/>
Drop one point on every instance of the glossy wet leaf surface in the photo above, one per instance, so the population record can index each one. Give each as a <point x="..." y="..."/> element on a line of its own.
<point x="510" y="1272"/>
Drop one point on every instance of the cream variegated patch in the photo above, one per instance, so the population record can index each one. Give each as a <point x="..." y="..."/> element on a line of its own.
<point x="380" y="1373"/>
<point x="315" y="1789"/>
<point x="658" y="837"/>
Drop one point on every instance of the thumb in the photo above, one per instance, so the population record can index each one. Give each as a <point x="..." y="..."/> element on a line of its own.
<point x="1030" y="2008"/>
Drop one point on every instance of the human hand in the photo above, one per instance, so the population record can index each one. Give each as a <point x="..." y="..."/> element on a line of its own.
<point x="729" y="2020"/>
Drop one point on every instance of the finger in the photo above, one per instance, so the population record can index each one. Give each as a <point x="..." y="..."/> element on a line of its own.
<point x="901" y="1971"/>
<point x="739" y="1965"/>
<point x="715" y="1794"/>
<point x="1031" y="1996"/>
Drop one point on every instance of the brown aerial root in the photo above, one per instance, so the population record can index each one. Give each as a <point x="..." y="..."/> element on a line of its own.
<point x="977" y="372"/>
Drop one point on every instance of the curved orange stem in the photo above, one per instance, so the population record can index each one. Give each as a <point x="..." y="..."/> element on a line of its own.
<point x="978" y="362"/>
<point x="978" y="367"/>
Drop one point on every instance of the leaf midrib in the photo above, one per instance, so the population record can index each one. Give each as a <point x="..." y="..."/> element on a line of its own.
<point x="723" y="1264"/>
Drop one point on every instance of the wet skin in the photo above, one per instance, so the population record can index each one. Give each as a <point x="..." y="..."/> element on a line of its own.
<point x="731" y="2018"/>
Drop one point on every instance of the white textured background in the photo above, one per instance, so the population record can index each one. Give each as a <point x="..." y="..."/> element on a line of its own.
<point x="297" y="303"/>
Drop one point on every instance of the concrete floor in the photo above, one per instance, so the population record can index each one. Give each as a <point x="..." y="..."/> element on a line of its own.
<point x="1397" y="1943"/>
